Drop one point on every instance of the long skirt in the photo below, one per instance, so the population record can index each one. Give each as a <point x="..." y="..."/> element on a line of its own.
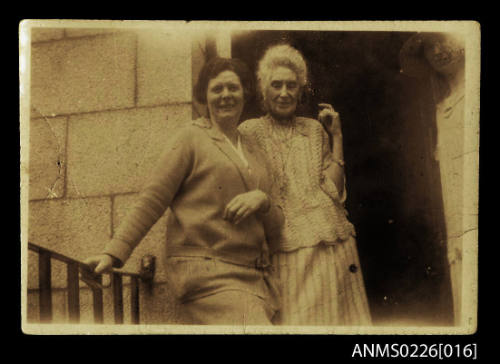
<point x="322" y="285"/>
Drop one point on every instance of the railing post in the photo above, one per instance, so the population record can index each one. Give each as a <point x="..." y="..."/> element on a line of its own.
<point x="73" y="292"/>
<point x="77" y="270"/>
<point x="134" y="300"/>
<point x="97" y="302"/>
<point x="147" y="272"/>
<point x="117" y="297"/>
<point x="45" y="286"/>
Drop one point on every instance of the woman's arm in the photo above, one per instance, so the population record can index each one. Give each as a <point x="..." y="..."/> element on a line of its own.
<point x="335" y="169"/>
<point x="171" y="170"/>
<point x="333" y="156"/>
<point x="258" y="201"/>
<point x="273" y="221"/>
<point x="248" y="203"/>
<point x="272" y="215"/>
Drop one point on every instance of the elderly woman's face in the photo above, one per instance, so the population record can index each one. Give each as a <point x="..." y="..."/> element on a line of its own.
<point x="225" y="97"/>
<point x="282" y="92"/>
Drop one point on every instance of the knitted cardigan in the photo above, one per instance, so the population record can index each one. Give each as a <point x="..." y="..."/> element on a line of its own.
<point x="197" y="176"/>
<point x="314" y="211"/>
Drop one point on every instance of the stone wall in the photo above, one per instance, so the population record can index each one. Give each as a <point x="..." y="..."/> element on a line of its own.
<point x="103" y="101"/>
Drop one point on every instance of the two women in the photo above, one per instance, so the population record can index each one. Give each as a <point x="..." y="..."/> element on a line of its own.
<point x="215" y="183"/>
<point x="227" y="189"/>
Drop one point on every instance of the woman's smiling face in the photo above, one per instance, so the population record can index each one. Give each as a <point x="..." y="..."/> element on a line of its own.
<point x="225" y="97"/>
<point x="282" y="93"/>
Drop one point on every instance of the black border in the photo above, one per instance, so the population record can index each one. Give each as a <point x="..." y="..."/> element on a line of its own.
<point x="256" y="347"/>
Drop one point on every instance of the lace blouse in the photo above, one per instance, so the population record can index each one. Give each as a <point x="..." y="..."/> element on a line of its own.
<point x="298" y="155"/>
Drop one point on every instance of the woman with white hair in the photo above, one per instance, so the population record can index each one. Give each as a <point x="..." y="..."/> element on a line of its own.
<point x="316" y="259"/>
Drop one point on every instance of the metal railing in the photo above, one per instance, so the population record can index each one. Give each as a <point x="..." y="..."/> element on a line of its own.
<point x="76" y="271"/>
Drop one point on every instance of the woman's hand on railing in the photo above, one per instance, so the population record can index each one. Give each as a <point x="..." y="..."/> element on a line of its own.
<point x="102" y="263"/>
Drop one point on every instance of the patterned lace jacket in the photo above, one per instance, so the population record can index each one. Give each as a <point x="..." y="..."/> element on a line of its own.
<point x="298" y="155"/>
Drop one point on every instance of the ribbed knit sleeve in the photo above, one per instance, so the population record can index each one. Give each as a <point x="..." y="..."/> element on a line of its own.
<point x="274" y="218"/>
<point x="173" y="167"/>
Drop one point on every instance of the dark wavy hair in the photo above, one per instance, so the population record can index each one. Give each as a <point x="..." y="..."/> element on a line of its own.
<point x="217" y="65"/>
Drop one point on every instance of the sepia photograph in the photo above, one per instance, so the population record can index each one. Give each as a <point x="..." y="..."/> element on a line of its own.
<point x="244" y="177"/>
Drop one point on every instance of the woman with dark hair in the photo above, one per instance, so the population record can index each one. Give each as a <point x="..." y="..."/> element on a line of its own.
<point x="222" y="219"/>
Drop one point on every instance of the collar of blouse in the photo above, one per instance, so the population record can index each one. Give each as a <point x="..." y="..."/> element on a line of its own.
<point x="297" y="122"/>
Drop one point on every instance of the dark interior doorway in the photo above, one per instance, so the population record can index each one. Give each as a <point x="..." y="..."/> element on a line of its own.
<point x="393" y="183"/>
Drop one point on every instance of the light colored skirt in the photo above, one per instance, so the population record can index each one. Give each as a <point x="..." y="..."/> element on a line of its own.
<point x="214" y="292"/>
<point x="322" y="285"/>
<point x="228" y="308"/>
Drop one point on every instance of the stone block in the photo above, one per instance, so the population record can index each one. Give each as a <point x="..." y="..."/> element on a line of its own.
<point x="59" y="307"/>
<point x="452" y="183"/>
<point x="77" y="228"/>
<point x="40" y="34"/>
<point x="47" y="162"/>
<point x="90" y="31"/>
<point x="83" y="74"/>
<point x="114" y="152"/>
<point x="159" y="307"/>
<point x="452" y="142"/>
<point x="153" y="243"/>
<point x="32" y="308"/>
<point x="470" y="183"/>
<point x="163" y="67"/>
<point x="35" y="113"/>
